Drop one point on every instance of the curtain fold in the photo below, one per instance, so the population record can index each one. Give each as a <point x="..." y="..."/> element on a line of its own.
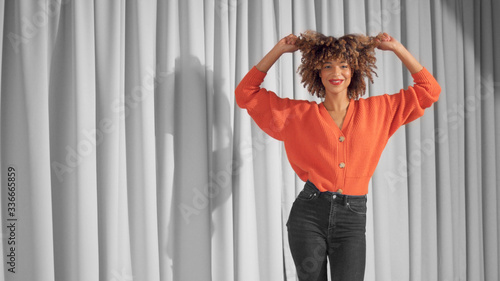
<point x="115" y="252"/>
<point x="125" y="157"/>
<point x="25" y="152"/>
<point x="72" y="117"/>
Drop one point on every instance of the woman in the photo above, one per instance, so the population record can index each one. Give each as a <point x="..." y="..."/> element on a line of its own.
<point x="334" y="146"/>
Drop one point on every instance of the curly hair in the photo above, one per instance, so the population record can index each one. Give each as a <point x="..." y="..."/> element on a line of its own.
<point x="357" y="50"/>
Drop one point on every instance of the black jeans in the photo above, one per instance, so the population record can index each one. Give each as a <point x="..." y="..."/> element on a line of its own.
<point x="328" y="224"/>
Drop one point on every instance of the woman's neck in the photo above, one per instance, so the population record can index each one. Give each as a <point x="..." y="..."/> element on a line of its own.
<point x="336" y="102"/>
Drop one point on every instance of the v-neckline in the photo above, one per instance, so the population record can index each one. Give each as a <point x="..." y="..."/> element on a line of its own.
<point x="329" y="119"/>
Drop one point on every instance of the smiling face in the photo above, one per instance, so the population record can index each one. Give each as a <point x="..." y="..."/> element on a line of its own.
<point x="335" y="76"/>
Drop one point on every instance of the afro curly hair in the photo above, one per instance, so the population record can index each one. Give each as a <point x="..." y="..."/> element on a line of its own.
<point x="357" y="50"/>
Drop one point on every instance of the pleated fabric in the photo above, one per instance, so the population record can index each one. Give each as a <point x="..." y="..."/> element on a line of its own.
<point x="124" y="156"/>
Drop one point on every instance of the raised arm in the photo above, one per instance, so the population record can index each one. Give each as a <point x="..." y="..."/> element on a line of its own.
<point x="268" y="110"/>
<point x="388" y="43"/>
<point x="285" y="45"/>
<point x="409" y="104"/>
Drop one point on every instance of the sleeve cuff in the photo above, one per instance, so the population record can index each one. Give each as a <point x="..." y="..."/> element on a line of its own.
<point x="255" y="76"/>
<point x="422" y="75"/>
<point x="426" y="80"/>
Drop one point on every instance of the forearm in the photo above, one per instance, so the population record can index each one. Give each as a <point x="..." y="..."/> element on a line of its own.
<point x="408" y="59"/>
<point x="386" y="43"/>
<point x="269" y="59"/>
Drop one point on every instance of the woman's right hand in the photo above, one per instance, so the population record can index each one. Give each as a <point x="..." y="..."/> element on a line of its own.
<point x="287" y="44"/>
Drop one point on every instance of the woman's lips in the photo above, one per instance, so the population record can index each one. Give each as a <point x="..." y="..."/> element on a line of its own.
<point x="336" y="81"/>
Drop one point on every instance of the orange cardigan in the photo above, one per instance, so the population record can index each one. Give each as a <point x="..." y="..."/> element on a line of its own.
<point x="333" y="159"/>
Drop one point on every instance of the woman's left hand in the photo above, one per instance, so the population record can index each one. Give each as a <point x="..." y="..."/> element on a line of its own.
<point x="386" y="42"/>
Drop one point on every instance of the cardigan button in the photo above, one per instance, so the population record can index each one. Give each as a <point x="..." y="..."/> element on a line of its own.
<point x="340" y="191"/>
<point x="342" y="165"/>
<point x="341" y="139"/>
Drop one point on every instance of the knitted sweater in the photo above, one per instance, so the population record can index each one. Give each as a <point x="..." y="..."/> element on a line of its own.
<point x="333" y="159"/>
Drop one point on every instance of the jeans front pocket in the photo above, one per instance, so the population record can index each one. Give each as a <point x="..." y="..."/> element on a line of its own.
<point x="357" y="207"/>
<point x="307" y="195"/>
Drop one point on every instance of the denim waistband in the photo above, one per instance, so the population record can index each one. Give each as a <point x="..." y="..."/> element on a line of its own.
<point x="334" y="195"/>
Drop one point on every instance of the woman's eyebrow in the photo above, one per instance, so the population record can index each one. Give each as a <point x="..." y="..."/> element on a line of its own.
<point x="329" y="62"/>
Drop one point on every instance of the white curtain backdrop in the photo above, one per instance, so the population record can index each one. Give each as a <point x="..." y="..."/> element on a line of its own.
<point x="124" y="156"/>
